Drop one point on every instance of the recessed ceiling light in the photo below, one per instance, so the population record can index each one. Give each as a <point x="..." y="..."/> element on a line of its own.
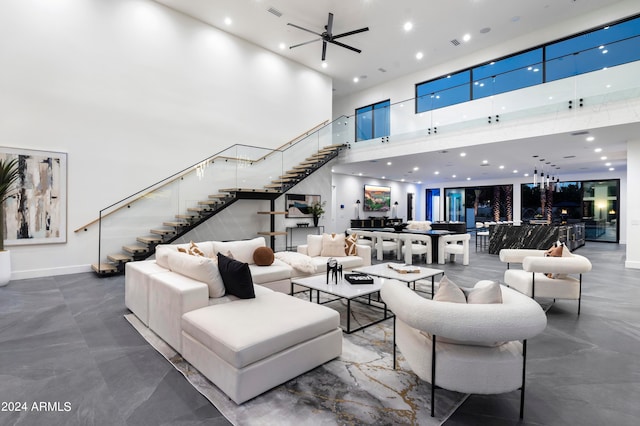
<point x="324" y="64"/>
<point x="468" y="178"/>
<point x="356" y="79"/>
<point x="485" y="161"/>
<point x="282" y="46"/>
<point x="501" y="167"/>
<point x="415" y="169"/>
<point x="436" y="172"/>
<point x="228" y="21"/>
<point x="419" y="55"/>
<point x="384" y="177"/>
<point x="590" y="138"/>
<point x="611" y="169"/>
<point x="466" y="37"/>
<point x="402" y="180"/>
<point x="453" y="176"/>
<point x="607" y="164"/>
<point x="597" y="150"/>
<point x="359" y="174"/>
<point x="389" y="163"/>
<point x="408" y="26"/>
<point x="515" y="171"/>
<point x="526" y="174"/>
<point x="463" y="154"/>
<point x="604" y="157"/>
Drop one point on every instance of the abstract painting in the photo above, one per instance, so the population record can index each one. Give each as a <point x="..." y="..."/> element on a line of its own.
<point x="36" y="211"/>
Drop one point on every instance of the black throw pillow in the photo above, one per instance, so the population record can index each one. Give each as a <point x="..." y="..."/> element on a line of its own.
<point x="236" y="277"/>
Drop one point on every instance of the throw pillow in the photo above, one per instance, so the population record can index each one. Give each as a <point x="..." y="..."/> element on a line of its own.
<point x="350" y="245"/>
<point x="199" y="268"/>
<point x="487" y="294"/>
<point x="448" y="291"/>
<point x="314" y="245"/>
<point x="242" y="250"/>
<point x="555" y="250"/>
<point x="333" y="245"/>
<point x="236" y="276"/>
<point x="263" y="256"/>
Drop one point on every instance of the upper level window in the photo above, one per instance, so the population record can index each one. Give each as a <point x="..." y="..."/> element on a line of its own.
<point x="504" y="75"/>
<point x="372" y="121"/>
<point x="450" y="90"/>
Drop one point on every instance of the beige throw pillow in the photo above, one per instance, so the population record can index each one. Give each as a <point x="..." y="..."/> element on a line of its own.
<point x="483" y="295"/>
<point x="333" y="245"/>
<point x="448" y="291"/>
<point x="314" y="245"/>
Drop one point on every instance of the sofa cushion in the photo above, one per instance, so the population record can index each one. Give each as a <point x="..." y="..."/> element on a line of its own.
<point x="236" y="277"/>
<point x="314" y="245"/>
<point x="490" y="293"/>
<point x="350" y="247"/>
<point x="347" y="262"/>
<point x="277" y="271"/>
<point x="199" y="268"/>
<point x="241" y="250"/>
<point x="448" y="291"/>
<point x="258" y="290"/>
<point x="298" y="261"/>
<point x="263" y="256"/>
<point x="333" y="245"/>
<point x="163" y="250"/>
<point x="261" y="327"/>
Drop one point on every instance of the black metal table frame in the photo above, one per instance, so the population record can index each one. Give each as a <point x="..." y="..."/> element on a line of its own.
<point x="387" y="314"/>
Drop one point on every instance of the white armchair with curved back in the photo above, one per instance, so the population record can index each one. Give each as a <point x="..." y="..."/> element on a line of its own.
<point x="465" y="347"/>
<point x="452" y="245"/>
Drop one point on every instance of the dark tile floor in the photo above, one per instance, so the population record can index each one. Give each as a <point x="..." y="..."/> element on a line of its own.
<point x="64" y="341"/>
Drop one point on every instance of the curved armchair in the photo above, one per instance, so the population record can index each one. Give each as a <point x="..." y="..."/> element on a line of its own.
<point x="533" y="280"/>
<point x="385" y="242"/>
<point x="454" y="244"/>
<point x="489" y="353"/>
<point x="416" y="244"/>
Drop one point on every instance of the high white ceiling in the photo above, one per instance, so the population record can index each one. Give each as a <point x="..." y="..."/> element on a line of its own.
<point x="387" y="46"/>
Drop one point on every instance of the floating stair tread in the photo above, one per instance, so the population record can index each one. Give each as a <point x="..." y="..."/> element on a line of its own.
<point x="135" y="249"/>
<point x="332" y="147"/>
<point x="301" y="167"/>
<point x="196" y="209"/>
<point x="149" y="240"/>
<point x="185" y="216"/>
<point x="291" y="176"/>
<point x="208" y="202"/>
<point x="274" y="233"/>
<point x="286" y="180"/>
<point x="273" y="185"/>
<point x="163" y="231"/>
<point x="273" y="212"/>
<point x="248" y="190"/>
<point x="119" y="258"/>
<point x="175" y="224"/>
<point x="218" y="196"/>
<point x="104" y="268"/>
<point x="292" y="173"/>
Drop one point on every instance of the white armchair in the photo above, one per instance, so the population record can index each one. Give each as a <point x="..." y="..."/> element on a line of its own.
<point x="532" y="279"/>
<point x="387" y="242"/>
<point x="454" y="244"/>
<point x="416" y="244"/>
<point x="488" y="355"/>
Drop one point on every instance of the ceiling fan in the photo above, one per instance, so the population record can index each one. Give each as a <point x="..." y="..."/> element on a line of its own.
<point x="328" y="37"/>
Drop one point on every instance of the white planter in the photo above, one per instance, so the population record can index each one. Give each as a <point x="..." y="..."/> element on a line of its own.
<point x="5" y="267"/>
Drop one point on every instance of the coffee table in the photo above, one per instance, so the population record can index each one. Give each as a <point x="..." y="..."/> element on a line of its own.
<point x="345" y="290"/>
<point x="383" y="270"/>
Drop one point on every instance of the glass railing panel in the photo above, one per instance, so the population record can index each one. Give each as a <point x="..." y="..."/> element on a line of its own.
<point x="257" y="167"/>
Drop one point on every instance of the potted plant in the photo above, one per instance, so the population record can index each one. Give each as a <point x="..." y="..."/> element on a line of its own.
<point x="8" y="176"/>
<point x="317" y="210"/>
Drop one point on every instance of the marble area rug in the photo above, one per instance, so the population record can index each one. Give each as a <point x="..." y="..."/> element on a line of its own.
<point x="358" y="388"/>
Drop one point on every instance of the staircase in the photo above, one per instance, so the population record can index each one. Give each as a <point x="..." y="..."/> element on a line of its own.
<point x="173" y="228"/>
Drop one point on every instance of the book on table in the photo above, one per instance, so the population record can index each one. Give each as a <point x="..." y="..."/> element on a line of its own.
<point x="358" y="279"/>
<point x="404" y="269"/>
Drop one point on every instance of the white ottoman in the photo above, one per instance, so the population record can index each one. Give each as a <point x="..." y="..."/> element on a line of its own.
<point x="249" y="346"/>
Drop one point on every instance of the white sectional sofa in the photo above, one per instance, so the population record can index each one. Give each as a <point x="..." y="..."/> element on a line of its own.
<point x="244" y="346"/>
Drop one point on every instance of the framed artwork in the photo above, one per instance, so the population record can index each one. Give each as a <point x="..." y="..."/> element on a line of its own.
<point x="377" y="198"/>
<point x="298" y="205"/>
<point x="36" y="210"/>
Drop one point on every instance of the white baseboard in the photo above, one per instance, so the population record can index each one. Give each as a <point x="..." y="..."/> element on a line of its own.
<point x="49" y="272"/>
<point x="630" y="264"/>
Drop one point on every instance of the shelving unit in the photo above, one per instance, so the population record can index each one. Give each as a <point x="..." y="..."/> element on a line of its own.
<point x="272" y="233"/>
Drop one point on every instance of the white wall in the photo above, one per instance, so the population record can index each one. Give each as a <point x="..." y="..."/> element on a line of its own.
<point x="135" y="92"/>
<point x="633" y="205"/>
<point x="350" y="188"/>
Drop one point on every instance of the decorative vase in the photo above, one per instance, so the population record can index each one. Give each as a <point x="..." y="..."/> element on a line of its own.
<point x="5" y="267"/>
<point x="315" y="220"/>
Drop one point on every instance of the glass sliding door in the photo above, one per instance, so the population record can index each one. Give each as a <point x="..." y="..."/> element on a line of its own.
<point x="600" y="207"/>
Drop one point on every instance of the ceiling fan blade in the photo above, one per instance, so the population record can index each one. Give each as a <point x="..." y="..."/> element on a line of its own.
<point x="306" y="42"/>
<point x="304" y="29"/>
<point x="330" y="23"/>
<point x="345" y="46"/>
<point x="324" y="50"/>
<point x="361" y="30"/>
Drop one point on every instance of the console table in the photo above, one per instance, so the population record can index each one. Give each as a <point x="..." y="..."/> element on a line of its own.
<point x="290" y="231"/>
